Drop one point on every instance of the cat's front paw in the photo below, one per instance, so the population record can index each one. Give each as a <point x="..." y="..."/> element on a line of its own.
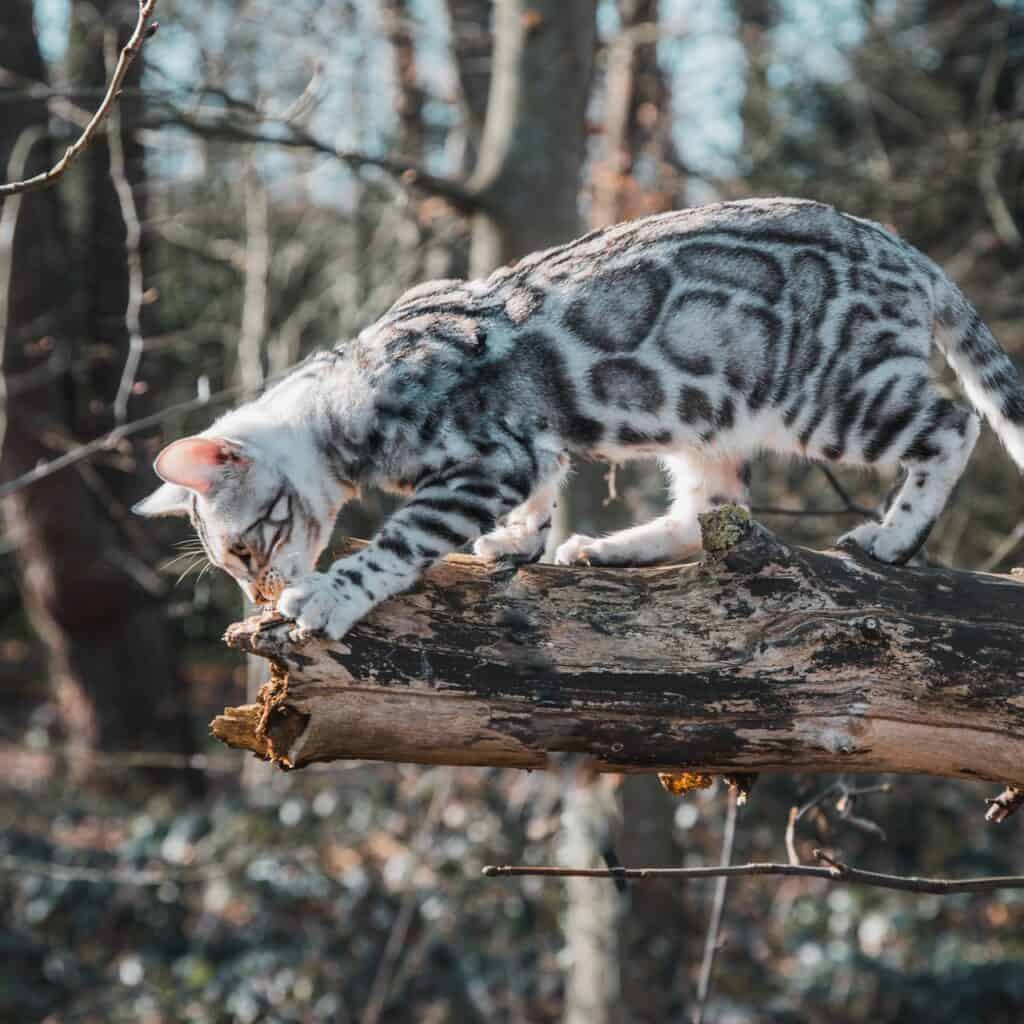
<point x="883" y="543"/>
<point x="513" y="543"/>
<point x="578" y="549"/>
<point x="318" y="606"/>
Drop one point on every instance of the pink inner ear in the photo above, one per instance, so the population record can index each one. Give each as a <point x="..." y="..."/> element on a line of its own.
<point x="196" y="462"/>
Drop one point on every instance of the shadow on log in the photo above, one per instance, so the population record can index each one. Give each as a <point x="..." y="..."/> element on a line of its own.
<point x="759" y="658"/>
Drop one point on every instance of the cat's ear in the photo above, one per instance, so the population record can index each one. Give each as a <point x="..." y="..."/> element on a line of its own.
<point x="199" y="463"/>
<point x="166" y="500"/>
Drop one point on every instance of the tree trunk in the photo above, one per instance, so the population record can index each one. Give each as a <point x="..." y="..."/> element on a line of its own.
<point x="472" y="49"/>
<point x="85" y="580"/>
<point x="409" y="95"/>
<point x="531" y="154"/>
<point x="636" y="172"/>
<point x="757" y="19"/>
<point x="761" y="657"/>
<point x="530" y="145"/>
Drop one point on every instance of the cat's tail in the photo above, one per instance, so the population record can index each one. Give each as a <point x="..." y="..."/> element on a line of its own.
<point x="989" y="376"/>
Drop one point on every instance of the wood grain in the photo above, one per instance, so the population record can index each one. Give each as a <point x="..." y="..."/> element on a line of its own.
<point x="760" y="657"/>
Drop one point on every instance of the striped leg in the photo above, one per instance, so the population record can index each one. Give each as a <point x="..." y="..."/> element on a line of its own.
<point x="524" y="535"/>
<point x="447" y="510"/>
<point x="935" y="449"/>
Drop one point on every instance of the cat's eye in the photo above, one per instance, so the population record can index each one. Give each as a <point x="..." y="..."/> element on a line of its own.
<point x="241" y="552"/>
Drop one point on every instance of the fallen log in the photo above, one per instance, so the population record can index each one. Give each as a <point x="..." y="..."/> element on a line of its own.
<point x="761" y="657"/>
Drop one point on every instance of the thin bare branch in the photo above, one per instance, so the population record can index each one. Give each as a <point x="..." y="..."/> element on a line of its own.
<point x="1008" y="802"/>
<point x="846" y="797"/>
<point x="132" y="245"/>
<point x="143" y="31"/>
<point x="107" y="876"/>
<point x="802" y="513"/>
<point x="713" y="937"/>
<point x="835" y="871"/>
<point x="796" y="813"/>
<point x="111" y="440"/>
<point x="294" y="136"/>
<point x="1004" y="548"/>
<point x="396" y="942"/>
<point x="844" y="495"/>
<point x="8" y="223"/>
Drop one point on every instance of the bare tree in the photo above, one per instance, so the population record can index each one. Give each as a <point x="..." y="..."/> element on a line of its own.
<point x="86" y="575"/>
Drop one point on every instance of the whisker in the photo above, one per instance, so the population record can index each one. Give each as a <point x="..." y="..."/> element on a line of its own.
<point x="165" y="566"/>
<point x="192" y="566"/>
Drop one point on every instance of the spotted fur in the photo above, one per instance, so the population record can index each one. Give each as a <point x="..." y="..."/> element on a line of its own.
<point x="700" y="337"/>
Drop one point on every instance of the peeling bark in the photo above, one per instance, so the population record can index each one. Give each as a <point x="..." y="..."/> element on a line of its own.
<point x="761" y="657"/>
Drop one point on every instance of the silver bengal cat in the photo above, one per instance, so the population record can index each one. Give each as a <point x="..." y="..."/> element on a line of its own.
<point x="700" y="337"/>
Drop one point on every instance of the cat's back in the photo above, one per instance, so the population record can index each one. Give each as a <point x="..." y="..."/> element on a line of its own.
<point x="612" y="283"/>
<point x="686" y="241"/>
<point x="537" y="327"/>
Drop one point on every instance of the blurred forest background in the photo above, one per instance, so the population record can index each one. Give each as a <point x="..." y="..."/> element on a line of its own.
<point x="273" y="177"/>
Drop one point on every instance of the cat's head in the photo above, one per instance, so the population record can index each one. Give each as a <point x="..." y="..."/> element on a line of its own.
<point x="259" y="514"/>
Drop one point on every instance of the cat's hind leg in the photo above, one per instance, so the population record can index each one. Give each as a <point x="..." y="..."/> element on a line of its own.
<point x="523" y="535"/>
<point x="699" y="482"/>
<point x="933" y="449"/>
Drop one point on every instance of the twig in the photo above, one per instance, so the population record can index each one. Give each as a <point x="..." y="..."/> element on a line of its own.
<point x="794" y="857"/>
<point x="112" y="875"/>
<point x="609" y="479"/>
<point x="408" y="172"/>
<point x="835" y="872"/>
<point x="377" y="1000"/>
<point x="130" y="760"/>
<point x="796" y="813"/>
<point x="8" y="224"/>
<point x="113" y="438"/>
<point x="742" y="784"/>
<point x="132" y="247"/>
<point x="713" y="937"/>
<point x="143" y="31"/>
<point x="844" y="805"/>
<point x="127" y="760"/>
<point x="991" y="155"/>
<point x="1006" y="546"/>
<point x="797" y="513"/>
<point x="1002" y="806"/>
<point x="843" y="494"/>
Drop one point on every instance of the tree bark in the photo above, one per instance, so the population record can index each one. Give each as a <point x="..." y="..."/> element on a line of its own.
<point x="472" y="47"/>
<point x="636" y="132"/>
<point x="532" y="150"/>
<point x="409" y="95"/>
<point x="759" y="658"/>
<point x="530" y="144"/>
<point x="757" y="19"/>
